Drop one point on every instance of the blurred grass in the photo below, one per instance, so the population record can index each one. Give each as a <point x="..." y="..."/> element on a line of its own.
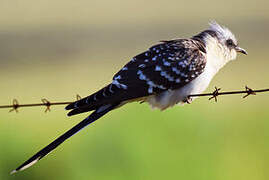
<point x="56" y="50"/>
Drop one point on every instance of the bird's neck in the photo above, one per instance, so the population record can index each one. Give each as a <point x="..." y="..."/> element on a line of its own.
<point x="215" y="53"/>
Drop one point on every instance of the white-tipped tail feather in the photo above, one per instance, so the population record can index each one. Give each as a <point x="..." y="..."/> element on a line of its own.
<point x="43" y="152"/>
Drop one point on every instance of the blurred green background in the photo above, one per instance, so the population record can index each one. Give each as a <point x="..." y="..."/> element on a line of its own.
<point x="56" y="49"/>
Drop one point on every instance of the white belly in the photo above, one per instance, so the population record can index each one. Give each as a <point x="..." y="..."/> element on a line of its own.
<point x="171" y="97"/>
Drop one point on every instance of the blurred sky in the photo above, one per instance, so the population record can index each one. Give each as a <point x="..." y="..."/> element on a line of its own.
<point x="56" y="49"/>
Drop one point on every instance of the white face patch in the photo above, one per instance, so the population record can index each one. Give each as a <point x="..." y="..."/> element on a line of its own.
<point x="220" y="43"/>
<point x="222" y="32"/>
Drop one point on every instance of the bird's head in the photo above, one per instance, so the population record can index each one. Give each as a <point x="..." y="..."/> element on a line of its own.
<point x="226" y="40"/>
<point x="220" y="41"/>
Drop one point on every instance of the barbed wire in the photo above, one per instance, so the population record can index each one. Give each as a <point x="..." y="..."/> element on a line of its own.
<point x="45" y="102"/>
<point x="15" y="104"/>
<point x="248" y="91"/>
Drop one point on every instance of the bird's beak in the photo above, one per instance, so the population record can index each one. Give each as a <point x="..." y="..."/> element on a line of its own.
<point x="241" y="50"/>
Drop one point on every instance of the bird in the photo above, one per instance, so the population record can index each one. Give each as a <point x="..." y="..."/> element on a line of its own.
<point x="164" y="75"/>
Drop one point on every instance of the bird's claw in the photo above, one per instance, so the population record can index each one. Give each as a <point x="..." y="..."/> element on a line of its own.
<point x="188" y="100"/>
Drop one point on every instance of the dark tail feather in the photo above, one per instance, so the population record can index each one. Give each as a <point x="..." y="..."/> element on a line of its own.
<point x="42" y="153"/>
<point x="93" y="100"/>
<point x="109" y="94"/>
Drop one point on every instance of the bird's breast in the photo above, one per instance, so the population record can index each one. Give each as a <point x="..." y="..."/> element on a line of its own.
<point x="171" y="97"/>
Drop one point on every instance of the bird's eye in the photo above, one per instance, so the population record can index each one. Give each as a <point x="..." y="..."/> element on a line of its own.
<point x="230" y="43"/>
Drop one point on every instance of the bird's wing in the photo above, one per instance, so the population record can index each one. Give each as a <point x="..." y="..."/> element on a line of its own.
<point x="168" y="65"/>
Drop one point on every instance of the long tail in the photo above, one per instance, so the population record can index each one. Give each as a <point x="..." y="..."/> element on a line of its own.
<point x="102" y="110"/>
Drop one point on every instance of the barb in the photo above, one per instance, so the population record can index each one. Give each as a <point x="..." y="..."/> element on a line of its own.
<point x="15" y="106"/>
<point x="216" y="93"/>
<point x="249" y="92"/>
<point x="47" y="104"/>
<point x="78" y="97"/>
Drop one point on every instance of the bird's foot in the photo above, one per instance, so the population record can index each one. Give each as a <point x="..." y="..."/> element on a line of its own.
<point x="188" y="100"/>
